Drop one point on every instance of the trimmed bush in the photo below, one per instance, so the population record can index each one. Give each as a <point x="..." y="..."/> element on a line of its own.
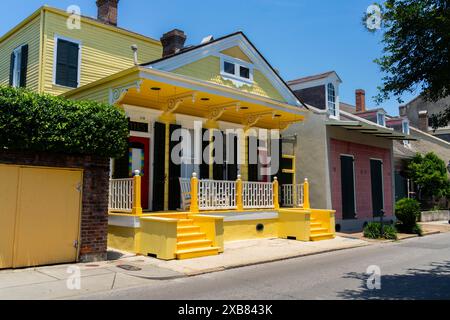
<point x="407" y="212"/>
<point x="390" y="232"/>
<point x="373" y="231"/>
<point x="44" y="123"/>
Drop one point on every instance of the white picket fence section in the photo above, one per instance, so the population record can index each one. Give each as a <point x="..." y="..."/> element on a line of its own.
<point x="217" y="195"/>
<point x="257" y="195"/>
<point x="121" y="195"/>
<point x="287" y="195"/>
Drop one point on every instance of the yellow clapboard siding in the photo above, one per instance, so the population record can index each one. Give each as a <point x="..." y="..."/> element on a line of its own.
<point x="208" y="69"/>
<point x="28" y="34"/>
<point x="104" y="52"/>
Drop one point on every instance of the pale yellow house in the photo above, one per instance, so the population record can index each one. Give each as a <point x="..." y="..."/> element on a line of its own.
<point x="224" y="86"/>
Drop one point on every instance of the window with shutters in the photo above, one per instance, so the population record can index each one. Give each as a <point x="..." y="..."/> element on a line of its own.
<point x="18" y="67"/>
<point x="67" y="63"/>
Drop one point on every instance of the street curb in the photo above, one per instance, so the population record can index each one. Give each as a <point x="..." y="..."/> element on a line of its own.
<point x="237" y="266"/>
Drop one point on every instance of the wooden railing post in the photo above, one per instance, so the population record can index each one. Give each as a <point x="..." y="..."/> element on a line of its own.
<point x="137" y="186"/>
<point x="276" y="200"/>
<point x="239" y="194"/>
<point x="306" y="203"/>
<point x="194" y="193"/>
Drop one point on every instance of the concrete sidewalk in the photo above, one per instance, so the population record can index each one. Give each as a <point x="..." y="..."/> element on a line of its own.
<point x="134" y="271"/>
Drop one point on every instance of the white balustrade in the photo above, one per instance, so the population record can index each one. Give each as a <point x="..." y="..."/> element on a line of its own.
<point x="216" y="195"/>
<point x="292" y="195"/>
<point x="257" y="195"/>
<point x="121" y="195"/>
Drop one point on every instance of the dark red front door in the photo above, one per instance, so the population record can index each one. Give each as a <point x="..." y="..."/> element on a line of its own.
<point x="139" y="153"/>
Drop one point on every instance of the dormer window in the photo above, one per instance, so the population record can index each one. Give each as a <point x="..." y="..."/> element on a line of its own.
<point x="229" y="67"/>
<point x="244" y="72"/>
<point x="405" y="130"/>
<point x="238" y="71"/>
<point x="331" y="100"/>
<point x="381" y="119"/>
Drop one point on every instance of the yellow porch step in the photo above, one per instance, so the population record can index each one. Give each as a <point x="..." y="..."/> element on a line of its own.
<point x="194" y="244"/>
<point x="318" y="230"/>
<point x="316" y="224"/>
<point x="196" y="253"/>
<point x="185" y="222"/>
<point x="182" y="237"/>
<point x="322" y="236"/>
<point x="188" y="229"/>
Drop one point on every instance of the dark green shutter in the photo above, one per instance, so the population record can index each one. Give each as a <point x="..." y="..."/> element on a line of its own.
<point x="252" y="168"/>
<point x="278" y="174"/>
<point x="24" y="66"/>
<point x="204" y="167"/>
<point x="67" y="64"/>
<point x="11" y="69"/>
<point x="232" y="168"/>
<point x="218" y="167"/>
<point x="348" y="187"/>
<point x="159" y="166"/>
<point x="376" y="177"/>
<point x="174" y="175"/>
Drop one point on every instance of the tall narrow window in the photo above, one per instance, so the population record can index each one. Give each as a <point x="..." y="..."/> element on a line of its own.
<point x="405" y="130"/>
<point x="332" y="100"/>
<point x="381" y="119"/>
<point x="18" y="67"/>
<point x="67" y="63"/>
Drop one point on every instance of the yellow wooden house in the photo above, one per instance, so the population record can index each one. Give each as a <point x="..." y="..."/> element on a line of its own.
<point x="220" y="88"/>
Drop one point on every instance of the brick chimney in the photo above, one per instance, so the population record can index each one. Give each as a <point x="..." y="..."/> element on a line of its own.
<point x="423" y="120"/>
<point x="173" y="41"/>
<point x="360" y="100"/>
<point x="402" y="111"/>
<point x="107" y="11"/>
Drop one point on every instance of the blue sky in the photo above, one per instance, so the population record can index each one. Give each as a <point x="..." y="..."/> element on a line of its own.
<point x="298" y="37"/>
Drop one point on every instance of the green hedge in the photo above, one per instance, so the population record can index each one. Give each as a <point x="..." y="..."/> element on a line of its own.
<point x="40" y="122"/>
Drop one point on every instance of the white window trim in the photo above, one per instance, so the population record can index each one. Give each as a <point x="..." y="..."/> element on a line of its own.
<point x="354" y="180"/>
<point x="384" y="118"/>
<point x="55" y="55"/>
<point x="17" y="66"/>
<point x="336" y="100"/>
<point x="406" y="142"/>
<point x="238" y="80"/>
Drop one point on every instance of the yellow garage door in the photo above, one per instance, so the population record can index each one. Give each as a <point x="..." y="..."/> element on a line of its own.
<point x="43" y="216"/>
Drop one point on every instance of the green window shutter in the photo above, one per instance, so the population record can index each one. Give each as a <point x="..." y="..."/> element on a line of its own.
<point x="174" y="174"/>
<point x="11" y="69"/>
<point x="24" y="66"/>
<point x="252" y="143"/>
<point x="159" y="166"/>
<point x="67" y="64"/>
<point x="204" y="167"/>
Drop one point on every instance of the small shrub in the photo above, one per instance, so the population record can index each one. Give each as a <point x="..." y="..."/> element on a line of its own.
<point x="407" y="212"/>
<point x="390" y="232"/>
<point x="373" y="231"/>
<point x="417" y="229"/>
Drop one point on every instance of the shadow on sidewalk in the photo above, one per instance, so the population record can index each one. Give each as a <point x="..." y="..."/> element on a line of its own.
<point x="430" y="283"/>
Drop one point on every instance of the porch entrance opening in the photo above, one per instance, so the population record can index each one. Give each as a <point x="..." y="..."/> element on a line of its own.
<point x="376" y="177"/>
<point x="348" y="187"/>
<point x="136" y="158"/>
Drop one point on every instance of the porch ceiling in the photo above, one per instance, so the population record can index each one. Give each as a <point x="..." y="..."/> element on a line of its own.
<point x="203" y="103"/>
<point x="371" y="129"/>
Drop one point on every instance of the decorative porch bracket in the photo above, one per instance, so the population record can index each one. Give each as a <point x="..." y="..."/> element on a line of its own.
<point x="252" y="119"/>
<point x="117" y="94"/>
<point x="175" y="102"/>
<point x="215" y="112"/>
